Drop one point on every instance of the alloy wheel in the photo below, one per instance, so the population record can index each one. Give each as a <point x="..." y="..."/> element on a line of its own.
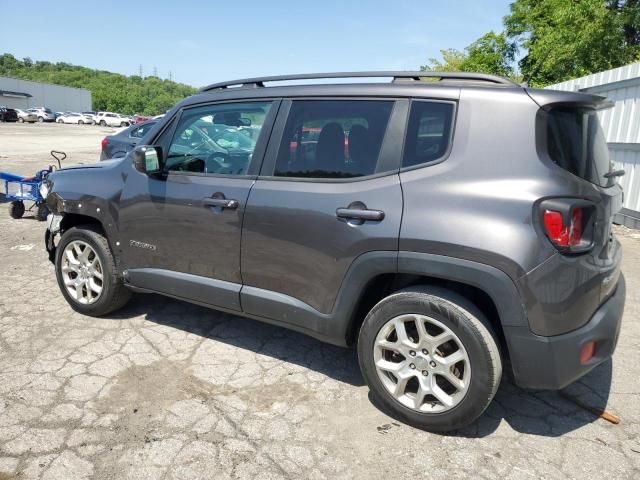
<point x="422" y="363"/>
<point x="82" y="272"/>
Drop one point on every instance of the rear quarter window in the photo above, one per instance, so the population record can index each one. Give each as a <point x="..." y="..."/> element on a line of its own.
<point x="428" y="132"/>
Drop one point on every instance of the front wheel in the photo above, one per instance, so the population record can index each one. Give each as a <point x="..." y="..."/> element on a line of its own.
<point x="80" y="122"/>
<point x="430" y="358"/>
<point x="20" y="120"/>
<point x="103" y="123"/>
<point x="86" y="272"/>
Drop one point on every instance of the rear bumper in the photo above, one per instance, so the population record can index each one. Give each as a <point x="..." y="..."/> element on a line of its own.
<point x="552" y="363"/>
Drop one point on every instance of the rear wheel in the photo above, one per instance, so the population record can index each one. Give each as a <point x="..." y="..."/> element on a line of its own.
<point x="41" y="212"/>
<point x="40" y="119"/>
<point x="103" y="123"/>
<point x="80" y="122"/>
<point x="16" y="209"/>
<point x="60" y="120"/>
<point x="429" y="358"/>
<point x="86" y="272"/>
<point x="123" y="124"/>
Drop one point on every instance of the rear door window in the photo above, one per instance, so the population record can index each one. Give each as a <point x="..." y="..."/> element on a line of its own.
<point x="333" y="138"/>
<point x="428" y="132"/>
<point x="576" y="143"/>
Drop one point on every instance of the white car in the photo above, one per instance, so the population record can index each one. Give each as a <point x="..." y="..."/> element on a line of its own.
<point x="112" y="119"/>
<point x="74" y="117"/>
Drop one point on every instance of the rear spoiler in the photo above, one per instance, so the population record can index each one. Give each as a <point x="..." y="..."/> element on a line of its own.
<point x="547" y="99"/>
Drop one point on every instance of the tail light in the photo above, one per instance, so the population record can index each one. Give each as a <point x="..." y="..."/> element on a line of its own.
<point x="104" y="143"/>
<point x="568" y="223"/>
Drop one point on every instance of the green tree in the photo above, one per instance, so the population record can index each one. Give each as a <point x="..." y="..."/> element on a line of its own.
<point x="491" y="53"/>
<point x="109" y="91"/>
<point x="564" y="39"/>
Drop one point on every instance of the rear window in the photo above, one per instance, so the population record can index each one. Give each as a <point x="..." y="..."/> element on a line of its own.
<point x="576" y="143"/>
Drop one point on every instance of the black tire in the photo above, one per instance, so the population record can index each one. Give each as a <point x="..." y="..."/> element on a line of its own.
<point x="41" y="212"/>
<point x="114" y="294"/>
<point x="80" y="122"/>
<point x="16" y="209"/>
<point x="40" y="119"/>
<point x="20" y="120"/>
<point x="472" y="329"/>
<point x="124" y="124"/>
<point x="103" y="123"/>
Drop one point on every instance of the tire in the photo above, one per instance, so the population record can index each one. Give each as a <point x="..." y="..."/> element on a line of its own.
<point x="60" y="121"/>
<point x="41" y="212"/>
<point x="113" y="295"/>
<point x="103" y="123"/>
<point x="443" y="312"/>
<point x="124" y="124"/>
<point x="16" y="209"/>
<point x="40" y="119"/>
<point x="93" y="122"/>
<point x="80" y="122"/>
<point x="20" y="120"/>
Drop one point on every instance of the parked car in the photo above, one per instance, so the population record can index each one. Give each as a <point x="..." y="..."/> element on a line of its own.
<point x="74" y="117"/>
<point x="468" y="222"/>
<point x="139" y="119"/>
<point x="112" y="119"/>
<point x="121" y="143"/>
<point x="44" y="114"/>
<point x="25" y="116"/>
<point x="91" y="116"/>
<point x="8" y="114"/>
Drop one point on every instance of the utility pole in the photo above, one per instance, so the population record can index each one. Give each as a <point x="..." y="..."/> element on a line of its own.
<point x="140" y="70"/>
<point x="155" y="71"/>
<point x="170" y="76"/>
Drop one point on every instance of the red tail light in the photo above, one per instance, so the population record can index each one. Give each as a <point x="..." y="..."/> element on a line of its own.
<point x="104" y="143"/>
<point x="561" y="233"/>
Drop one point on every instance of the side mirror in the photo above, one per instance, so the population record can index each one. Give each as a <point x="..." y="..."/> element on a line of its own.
<point x="146" y="159"/>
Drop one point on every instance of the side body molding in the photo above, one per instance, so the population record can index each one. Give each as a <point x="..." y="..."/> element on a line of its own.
<point x="497" y="284"/>
<point x="333" y="327"/>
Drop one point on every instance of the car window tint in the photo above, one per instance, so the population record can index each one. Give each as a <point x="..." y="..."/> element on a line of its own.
<point x="140" y="131"/>
<point x="332" y="138"/>
<point x="428" y="132"/>
<point x="217" y="139"/>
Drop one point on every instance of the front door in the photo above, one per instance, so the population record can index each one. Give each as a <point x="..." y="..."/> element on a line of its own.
<point x="329" y="191"/>
<point x="181" y="230"/>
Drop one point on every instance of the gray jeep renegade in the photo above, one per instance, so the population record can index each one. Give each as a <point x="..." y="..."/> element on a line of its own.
<point x="451" y="225"/>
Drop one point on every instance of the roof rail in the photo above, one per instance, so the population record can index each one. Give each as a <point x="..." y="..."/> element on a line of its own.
<point x="397" y="77"/>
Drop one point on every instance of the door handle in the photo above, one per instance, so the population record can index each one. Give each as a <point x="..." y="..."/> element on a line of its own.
<point x="220" y="202"/>
<point x="360" y="214"/>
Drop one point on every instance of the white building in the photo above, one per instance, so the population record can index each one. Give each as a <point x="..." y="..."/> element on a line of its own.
<point x="16" y="93"/>
<point x="621" y="125"/>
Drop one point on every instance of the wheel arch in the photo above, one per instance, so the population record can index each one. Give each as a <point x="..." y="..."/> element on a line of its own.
<point x="489" y="289"/>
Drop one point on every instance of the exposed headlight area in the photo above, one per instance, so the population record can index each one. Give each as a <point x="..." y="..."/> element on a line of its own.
<point x="44" y="189"/>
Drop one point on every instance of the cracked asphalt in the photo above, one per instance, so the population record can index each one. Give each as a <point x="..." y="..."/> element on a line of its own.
<point x="168" y="390"/>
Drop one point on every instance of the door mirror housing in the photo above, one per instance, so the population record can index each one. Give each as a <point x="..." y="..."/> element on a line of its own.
<point x="147" y="159"/>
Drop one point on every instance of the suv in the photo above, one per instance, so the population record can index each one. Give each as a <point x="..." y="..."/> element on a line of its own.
<point x="111" y="119"/>
<point x="444" y="227"/>
<point x="8" y="114"/>
<point x="43" y="114"/>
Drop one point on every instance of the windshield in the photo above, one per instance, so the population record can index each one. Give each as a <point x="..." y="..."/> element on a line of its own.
<point x="576" y="142"/>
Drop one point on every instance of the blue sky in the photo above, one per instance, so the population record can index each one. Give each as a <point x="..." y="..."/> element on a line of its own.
<point x="207" y="41"/>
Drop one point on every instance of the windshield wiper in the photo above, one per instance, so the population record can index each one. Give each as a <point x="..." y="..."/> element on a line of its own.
<point x="615" y="173"/>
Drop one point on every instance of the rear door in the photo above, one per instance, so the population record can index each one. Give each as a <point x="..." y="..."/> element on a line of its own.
<point x="328" y="192"/>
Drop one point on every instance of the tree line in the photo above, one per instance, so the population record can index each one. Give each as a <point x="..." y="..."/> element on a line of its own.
<point x="549" y="41"/>
<point x="110" y="91"/>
